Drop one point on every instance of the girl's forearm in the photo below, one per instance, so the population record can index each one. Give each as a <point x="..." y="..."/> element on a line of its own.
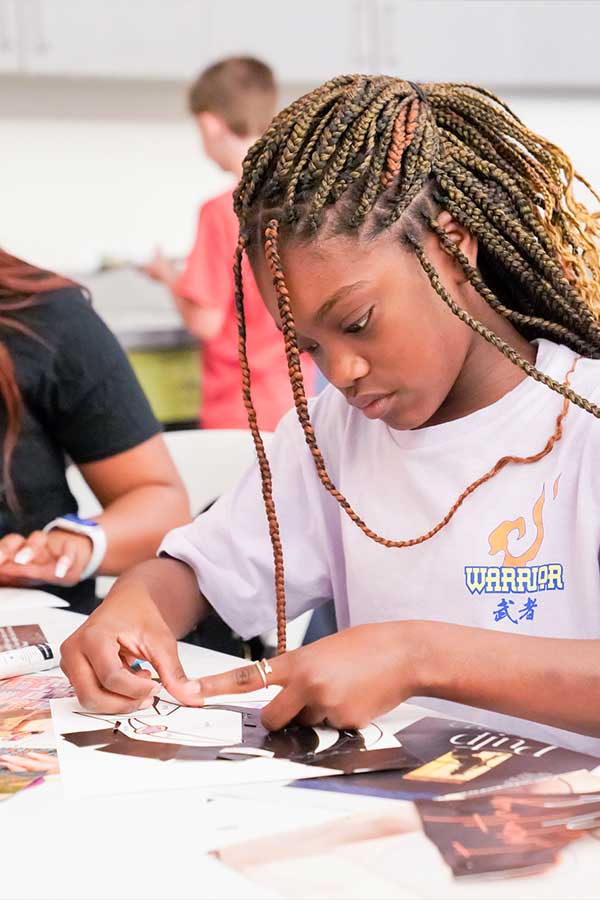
<point x="551" y="680"/>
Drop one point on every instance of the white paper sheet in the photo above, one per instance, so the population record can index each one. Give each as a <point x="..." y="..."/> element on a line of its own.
<point x="25" y="598"/>
<point x="89" y="770"/>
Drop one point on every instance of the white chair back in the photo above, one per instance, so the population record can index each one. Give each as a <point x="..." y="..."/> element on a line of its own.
<point x="209" y="462"/>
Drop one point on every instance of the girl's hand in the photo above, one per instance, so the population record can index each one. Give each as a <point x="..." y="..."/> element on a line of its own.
<point x="57" y="557"/>
<point x="347" y="679"/>
<point x="97" y="658"/>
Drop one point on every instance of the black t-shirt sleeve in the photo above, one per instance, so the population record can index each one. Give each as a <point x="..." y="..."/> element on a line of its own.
<point x="94" y="405"/>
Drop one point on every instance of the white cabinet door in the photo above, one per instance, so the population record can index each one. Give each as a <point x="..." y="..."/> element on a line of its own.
<point x="306" y="42"/>
<point x="506" y="43"/>
<point x="9" y="40"/>
<point x="449" y="40"/>
<point x="119" y="38"/>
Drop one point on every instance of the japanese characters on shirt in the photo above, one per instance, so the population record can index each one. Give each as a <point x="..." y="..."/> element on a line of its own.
<point x="518" y="585"/>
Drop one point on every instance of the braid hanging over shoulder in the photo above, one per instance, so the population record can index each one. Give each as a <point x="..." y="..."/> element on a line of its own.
<point x="364" y="153"/>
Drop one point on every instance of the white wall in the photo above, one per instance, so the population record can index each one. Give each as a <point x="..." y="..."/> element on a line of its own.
<point x="73" y="192"/>
<point x="74" y="188"/>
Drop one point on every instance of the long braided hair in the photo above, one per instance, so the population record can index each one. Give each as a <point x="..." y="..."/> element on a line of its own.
<point x="365" y="153"/>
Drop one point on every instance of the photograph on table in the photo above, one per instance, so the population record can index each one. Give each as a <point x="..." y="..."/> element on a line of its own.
<point x="25" y="718"/>
<point x="459" y="758"/>
<point x="25" y="727"/>
<point x="497" y="835"/>
<point x="33" y="691"/>
<point x="14" y="636"/>
<point x="40" y="760"/>
<point x="505" y="833"/>
<point x="13" y="782"/>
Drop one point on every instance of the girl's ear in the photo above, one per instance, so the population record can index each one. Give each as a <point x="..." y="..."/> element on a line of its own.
<point x="459" y="236"/>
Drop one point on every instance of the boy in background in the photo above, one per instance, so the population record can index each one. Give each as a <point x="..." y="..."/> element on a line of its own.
<point x="232" y="101"/>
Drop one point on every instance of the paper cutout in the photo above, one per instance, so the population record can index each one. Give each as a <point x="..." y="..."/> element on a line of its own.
<point x="227" y="731"/>
<point x="156" y="748"/>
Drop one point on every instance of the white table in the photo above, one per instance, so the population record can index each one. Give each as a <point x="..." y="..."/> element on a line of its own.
<point x="152" y="845"/>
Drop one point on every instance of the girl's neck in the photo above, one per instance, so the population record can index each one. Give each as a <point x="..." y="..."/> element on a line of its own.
<point x="487" y="375"/>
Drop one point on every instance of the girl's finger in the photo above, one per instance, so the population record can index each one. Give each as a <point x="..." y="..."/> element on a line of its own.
<point x="246" y="678"/>
<point x="161" y="652"/>
<point x="93" y="696"/>
<point x="9" y="545"/>
<point x="66" y="553"/>
<point x="33" y="550"/>
<point x="63" y="565"/>
<point x="116" y="678"/>
<point x="311" y="715"/>
<point x="285" y="707"/>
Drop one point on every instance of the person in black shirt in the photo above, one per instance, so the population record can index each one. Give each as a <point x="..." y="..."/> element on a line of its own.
<point x="68" y="392"/>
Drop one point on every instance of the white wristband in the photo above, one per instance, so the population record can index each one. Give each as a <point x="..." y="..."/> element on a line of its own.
<point x="93" y="530"/>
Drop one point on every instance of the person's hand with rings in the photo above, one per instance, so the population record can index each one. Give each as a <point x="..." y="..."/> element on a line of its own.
<point x="346" y="679"/>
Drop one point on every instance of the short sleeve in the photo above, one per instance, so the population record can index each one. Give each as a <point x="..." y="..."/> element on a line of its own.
<point x="207" y="278"/>
<point x="229" y="546"/>
<point x="92" y="402"/>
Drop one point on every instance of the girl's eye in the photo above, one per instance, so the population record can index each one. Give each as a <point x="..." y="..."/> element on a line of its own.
<point x="360" y="324"/>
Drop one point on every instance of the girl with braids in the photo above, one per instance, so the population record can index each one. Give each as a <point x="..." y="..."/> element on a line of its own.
<point x="429" y="252"/>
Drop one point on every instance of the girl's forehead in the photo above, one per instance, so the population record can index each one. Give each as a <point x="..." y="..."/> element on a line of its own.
<point x="320" y="274"/>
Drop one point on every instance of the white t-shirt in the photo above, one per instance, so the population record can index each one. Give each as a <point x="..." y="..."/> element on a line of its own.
<point x="520" y="555"/>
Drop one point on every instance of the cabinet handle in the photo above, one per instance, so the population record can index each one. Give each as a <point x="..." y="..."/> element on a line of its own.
<point x="388" y="35"/>
<point x="5" y="42"/>
<point x="41" y="45"/>
<point x="359" y="53"/>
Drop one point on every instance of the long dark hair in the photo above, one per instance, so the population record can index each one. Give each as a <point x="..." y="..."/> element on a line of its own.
<point x="22" y="285"/>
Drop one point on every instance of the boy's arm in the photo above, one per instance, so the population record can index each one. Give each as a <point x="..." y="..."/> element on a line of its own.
<point x="203" y="322"/>
<point x="148" y="607"/>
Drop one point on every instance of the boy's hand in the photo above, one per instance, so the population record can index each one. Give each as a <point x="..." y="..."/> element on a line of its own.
<point x="160" y="268"/>
<point x="56" y="557"/>
<point x="347" y="679"/>
<point x="97" y="657"/>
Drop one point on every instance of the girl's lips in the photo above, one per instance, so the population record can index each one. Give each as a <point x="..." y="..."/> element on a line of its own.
<point x="377" y="408"/>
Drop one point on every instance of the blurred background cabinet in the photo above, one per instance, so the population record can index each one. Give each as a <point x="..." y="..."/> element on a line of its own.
<point x="9" y="37"/>
<point x="507" y="43"/>
<point x="155" y="39"/>
<point x="320" y="39"/>
<point x="150" y="39"/>
<point x="498" y="42"/>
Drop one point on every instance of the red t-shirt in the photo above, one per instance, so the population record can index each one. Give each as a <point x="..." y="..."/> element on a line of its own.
<point x="208" y="281"/>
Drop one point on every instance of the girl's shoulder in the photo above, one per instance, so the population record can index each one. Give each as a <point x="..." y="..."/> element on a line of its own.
<point x="585" y="380"/>
<point x="49" y="315"/>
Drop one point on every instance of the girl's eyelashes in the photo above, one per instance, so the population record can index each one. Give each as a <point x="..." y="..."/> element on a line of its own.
<point x="360" y="324"/>
<point x="353" y="328"/>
